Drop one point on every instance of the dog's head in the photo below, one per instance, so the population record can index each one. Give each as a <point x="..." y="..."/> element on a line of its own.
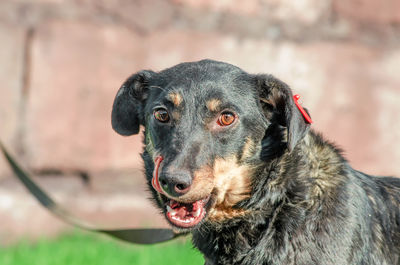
<point x="208" y="128"/>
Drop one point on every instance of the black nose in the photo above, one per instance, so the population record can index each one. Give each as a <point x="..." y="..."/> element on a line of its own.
<point x="175" y="183"/>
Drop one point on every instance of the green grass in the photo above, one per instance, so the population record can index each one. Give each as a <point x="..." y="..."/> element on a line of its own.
<point x="89" y="249"/>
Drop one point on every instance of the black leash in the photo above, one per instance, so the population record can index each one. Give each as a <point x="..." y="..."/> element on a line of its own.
<point x="138" y="236"/>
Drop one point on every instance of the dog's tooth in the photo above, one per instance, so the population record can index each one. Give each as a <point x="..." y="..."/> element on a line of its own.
<point x="177" y="219"/>
<point x="171" y="211"/>
<point x="197" y="213"/>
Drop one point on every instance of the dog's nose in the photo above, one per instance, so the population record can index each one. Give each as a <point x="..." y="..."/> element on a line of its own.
<point x="176" y="184"/>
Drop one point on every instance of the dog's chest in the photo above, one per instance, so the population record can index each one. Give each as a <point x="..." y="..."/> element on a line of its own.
<point x="229" y="245"/>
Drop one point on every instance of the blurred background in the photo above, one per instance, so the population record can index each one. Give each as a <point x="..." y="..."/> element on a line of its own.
<point x="62" y="62"/>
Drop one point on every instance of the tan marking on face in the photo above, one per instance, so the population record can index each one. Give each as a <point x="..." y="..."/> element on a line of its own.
<point x="201" y="187"/>
<point x="175" y="98"/>
<point x="232" y="183"/>
<point x="176" y="115"/>
<point x="213" y="104"/>
<point x="248" y="149"/>
<point x="229" y="181"/>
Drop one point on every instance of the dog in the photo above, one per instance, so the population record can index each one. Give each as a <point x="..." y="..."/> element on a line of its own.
<point x="230" y="158"/>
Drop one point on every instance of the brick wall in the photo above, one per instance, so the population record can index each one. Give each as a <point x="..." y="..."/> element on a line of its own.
<point x="62" y="62"/>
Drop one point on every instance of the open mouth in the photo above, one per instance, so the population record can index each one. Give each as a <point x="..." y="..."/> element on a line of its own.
<point x="186" y="215"/>
<point x="180" y="214"/>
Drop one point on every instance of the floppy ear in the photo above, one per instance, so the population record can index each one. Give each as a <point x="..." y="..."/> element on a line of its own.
<point x="277" y="99"/>
<point x="127" y="111"/>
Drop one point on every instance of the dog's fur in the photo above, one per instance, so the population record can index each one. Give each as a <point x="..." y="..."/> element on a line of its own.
<point x="279" y="193"/>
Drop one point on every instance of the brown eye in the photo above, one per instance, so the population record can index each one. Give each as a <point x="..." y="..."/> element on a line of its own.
<point x="226" y="119"/>
<point x="161" y="115"/>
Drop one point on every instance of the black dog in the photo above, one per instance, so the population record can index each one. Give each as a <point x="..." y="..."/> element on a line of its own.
<point x="230" y="158"/>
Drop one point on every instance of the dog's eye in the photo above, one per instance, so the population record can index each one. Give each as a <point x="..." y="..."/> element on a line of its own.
<point x="161" y="115"/>
<point x="226" y="118"/>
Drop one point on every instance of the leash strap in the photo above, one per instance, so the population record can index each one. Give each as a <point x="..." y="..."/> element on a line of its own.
<point x="138" y="236"/>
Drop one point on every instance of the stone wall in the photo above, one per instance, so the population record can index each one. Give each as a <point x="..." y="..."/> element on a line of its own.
<point x="62" y="62"/>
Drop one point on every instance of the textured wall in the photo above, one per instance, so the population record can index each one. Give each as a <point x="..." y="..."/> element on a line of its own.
<point x="62" y="61"/>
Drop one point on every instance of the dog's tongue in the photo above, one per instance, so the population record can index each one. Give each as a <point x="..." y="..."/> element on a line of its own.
<point x="182" y="212"/>
<point x="186" y="214"/>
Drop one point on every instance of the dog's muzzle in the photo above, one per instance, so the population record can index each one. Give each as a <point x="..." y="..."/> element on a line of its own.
<point x="170" y="183"/>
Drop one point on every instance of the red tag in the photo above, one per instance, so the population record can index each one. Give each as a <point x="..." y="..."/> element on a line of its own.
<point x="303" y="112"/>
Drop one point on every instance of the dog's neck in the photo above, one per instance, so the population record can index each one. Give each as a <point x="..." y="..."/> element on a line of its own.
<point x="301" y="175"/>
<point x="287" y="185"/>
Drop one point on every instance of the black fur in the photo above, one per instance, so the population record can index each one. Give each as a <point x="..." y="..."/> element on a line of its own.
<point x="304" y="204"/>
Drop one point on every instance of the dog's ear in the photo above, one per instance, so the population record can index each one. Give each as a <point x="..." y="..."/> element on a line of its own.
<point x="127" y="111"/>
<point x="277" y="102"/>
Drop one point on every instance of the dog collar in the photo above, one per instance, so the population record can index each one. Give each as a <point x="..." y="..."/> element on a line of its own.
<point x="301" y="109"/>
